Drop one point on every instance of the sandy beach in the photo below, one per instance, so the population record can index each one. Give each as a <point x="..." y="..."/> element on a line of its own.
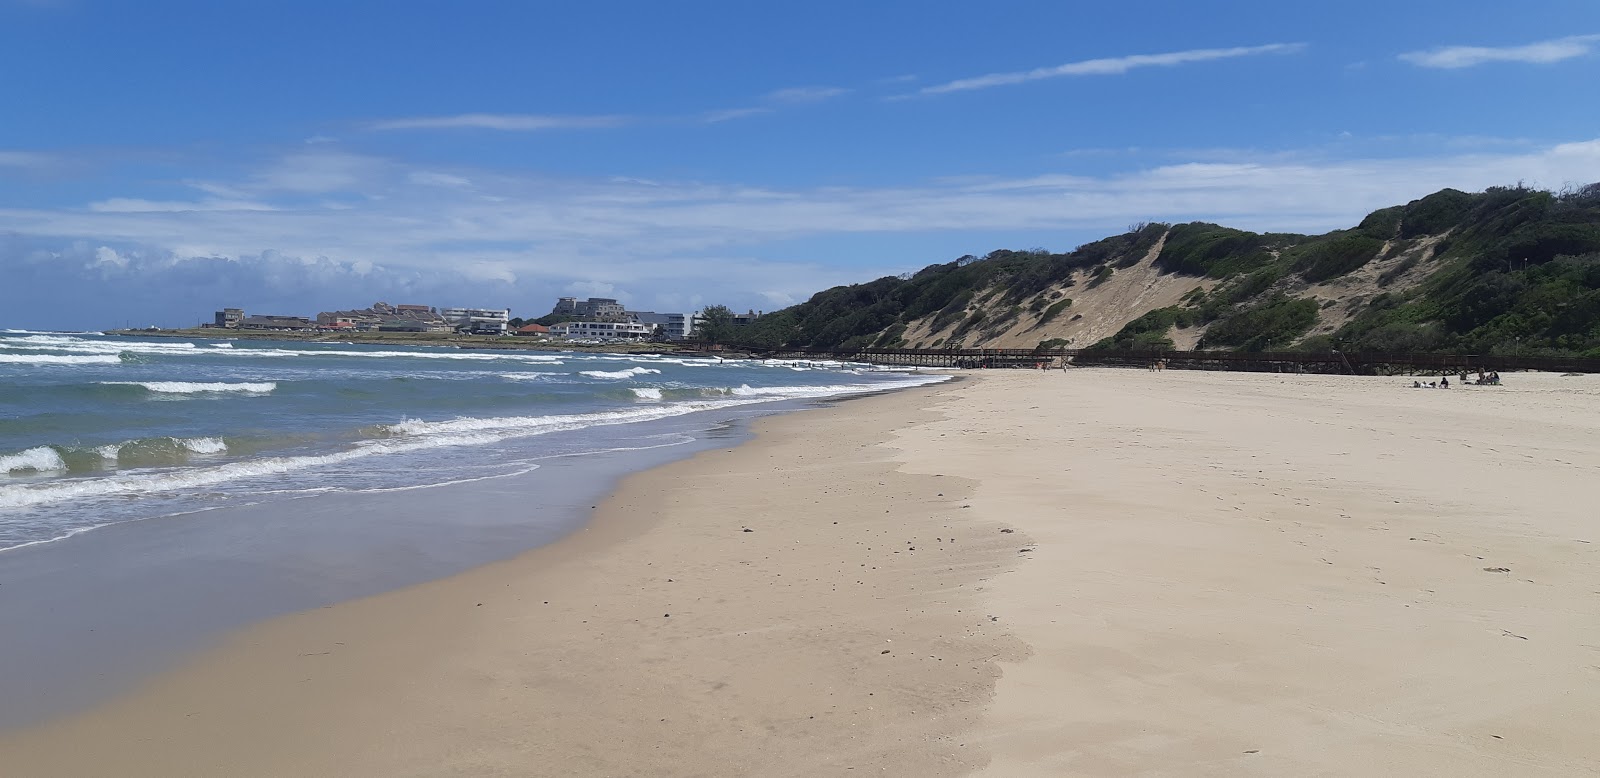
<point x="1082" y="572"/>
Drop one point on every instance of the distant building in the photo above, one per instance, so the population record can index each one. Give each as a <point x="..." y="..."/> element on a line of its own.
<point x="673" y="326"/>
<point x="737" y="320"/>
<point x="533" y="331"/>
<point x="229" y="317"/>
<point x="602" y="330"/>
<point x="594" y="308"/>
<point x="382" y="315"/>
<point x="268" y="322"/>
<point x="478" y="320"/>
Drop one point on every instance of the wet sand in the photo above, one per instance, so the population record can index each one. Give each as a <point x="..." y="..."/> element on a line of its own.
<point x="1214" y="574"/>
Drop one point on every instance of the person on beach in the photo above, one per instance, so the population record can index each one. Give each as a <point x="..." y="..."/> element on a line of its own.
<point x="1444" y="382"/>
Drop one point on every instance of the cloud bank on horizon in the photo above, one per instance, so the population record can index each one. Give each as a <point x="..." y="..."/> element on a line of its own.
<point x="680" y="175"/>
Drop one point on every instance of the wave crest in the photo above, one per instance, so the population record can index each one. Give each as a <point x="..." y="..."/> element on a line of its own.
<point x="619" y="374"/>
<point x="198" y="387"/>
<point x="40" y="459"/>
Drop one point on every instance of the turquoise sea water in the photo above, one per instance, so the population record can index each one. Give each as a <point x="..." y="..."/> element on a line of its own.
<point x="100" y="430"/>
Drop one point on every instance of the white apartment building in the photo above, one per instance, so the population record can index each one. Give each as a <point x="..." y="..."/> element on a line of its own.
<point x="478" y="319"/>
<point x="602" y="329"/>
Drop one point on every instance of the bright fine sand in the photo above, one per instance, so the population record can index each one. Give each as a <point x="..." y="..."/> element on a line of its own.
<point x="1206" y="574"/>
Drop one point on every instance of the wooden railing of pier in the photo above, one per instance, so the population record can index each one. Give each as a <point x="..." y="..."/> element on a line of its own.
<point x="1355" y="362"/>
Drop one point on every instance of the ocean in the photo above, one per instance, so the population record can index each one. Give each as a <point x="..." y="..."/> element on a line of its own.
<point x="96" y="430"/>
<point x="156" y="493"/>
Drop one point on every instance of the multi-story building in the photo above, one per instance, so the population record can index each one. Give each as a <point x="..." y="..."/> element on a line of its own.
<point x="381" y="315"/>
<point x="602" y="330"/>
<point x="673" y="326"/>
<point x="478" y="320"/>
<point x="229" y="318"/>
<point x="270" y="322"/>
<point x="595" y="308"/>
<point x="737" y="320"/>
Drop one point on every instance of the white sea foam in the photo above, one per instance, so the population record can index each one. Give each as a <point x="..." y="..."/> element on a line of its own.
<point x="410" y="436"/>
<point x="203" y="445"/>
<point x="619" y="374"/>
<point x="471" y="356"/>
<point x="530" y="376"/>
<point x="645" y="393"/>
<point x="81" y="346"/>
<point x="109" y="452"/>
<point x="40" y="459"/>
<point x="59" y="359"/>
<point x="197" y="387"/>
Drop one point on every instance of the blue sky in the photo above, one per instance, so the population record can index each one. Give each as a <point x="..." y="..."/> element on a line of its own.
<point x="161" y="159"/>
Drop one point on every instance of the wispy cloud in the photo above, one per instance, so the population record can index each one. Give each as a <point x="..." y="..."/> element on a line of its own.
<point x="135" y="205"/>
<point x="318" y="172"/>
<point x="1110" y="66"/>
<point x="712" y="117"/>
<point x="1540" y="53"/>
<point x="499" y="121"/>
<point x="403" y="226"/>
<point x="806" y="94"/>
<point x="25" y="159"/>
<point x="435" y="178"/>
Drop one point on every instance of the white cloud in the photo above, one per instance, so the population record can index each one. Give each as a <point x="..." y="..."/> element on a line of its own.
<point x="25" y="159"/>
<point x="135" y="205"/>
<point x="432" y="178"/>
<point x="319" y="172"/>
<point x="716" y="240"/>
<point x="504" y="122"/>
<point x="1540" y="53"/>
<point x="733" y="113"/>
<point x="106" y="255"/>
<point x="1110" y="66"/>
<point x="594" y="289"/>
<point x="806" y="94"/>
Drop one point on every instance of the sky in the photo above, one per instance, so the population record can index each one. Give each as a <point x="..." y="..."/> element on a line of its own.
<point x="161" y="159"/>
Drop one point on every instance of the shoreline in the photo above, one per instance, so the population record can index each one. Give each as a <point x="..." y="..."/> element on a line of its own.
<point x="1096" y="572"/>
<point x="367" y="658"/>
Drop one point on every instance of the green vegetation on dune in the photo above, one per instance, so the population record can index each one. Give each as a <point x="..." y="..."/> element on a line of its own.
<point x="1506" y="270"/>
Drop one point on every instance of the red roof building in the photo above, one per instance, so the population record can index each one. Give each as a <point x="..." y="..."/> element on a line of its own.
<point x="533" y="330"/>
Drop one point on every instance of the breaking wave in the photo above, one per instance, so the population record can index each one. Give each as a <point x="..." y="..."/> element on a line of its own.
<point x="40" y="459"/>
<point x="59" y="359"/>
<point x="198" y="387"/>
<point x="619" y="374"/>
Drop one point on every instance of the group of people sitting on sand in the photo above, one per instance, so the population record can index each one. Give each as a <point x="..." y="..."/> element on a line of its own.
<point x="1484" y="379"/>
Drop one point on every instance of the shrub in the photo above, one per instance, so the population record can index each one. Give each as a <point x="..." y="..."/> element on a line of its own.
<point x="1326" y="259"/>
<point x="1148" y="332"/>
<point x="1054" y="310"/>
<point x="1435" y="213"/>
<point x="1257" y="329"/>
<point x="1205" y="249"/>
